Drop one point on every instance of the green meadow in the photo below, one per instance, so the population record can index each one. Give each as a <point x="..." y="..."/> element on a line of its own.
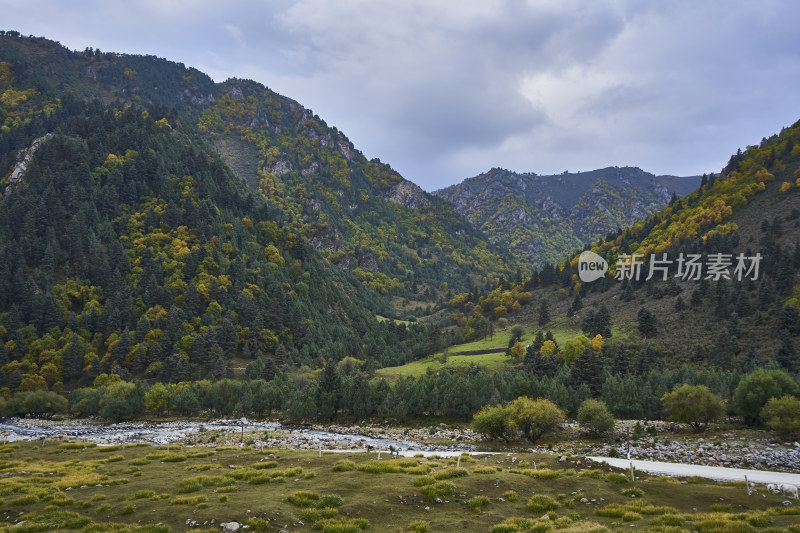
<point x="66" y="487"/>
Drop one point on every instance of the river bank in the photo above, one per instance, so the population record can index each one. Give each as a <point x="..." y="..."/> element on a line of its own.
<point x="734" y="449"/>
<point x="265" y="434"/>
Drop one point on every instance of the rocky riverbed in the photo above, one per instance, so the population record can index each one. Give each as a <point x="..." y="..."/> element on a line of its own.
<point x="668" y="442"/>
<point x="229" y="432"/>
<point x="731" y="452"/>
<point x="672" y="443"/>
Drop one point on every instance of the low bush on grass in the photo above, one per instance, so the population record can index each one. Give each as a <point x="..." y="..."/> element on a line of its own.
<point x="669" y="520"/>
<point x="128" y="509"/>
<point x="342" y="525"/>
<point x="143" y="494"/>
<point x="441" y="489"/>
<point x="584" y="527"/>
<point x="450" y="473"/>
<point x="303" y="498"/>
<point x="60" y="499"/>
<point x="487" y="470"/>
<point x="513" y="525"/>
<point x="330" y="500"/>
<point x="174" y="458"/>
<point x="758" y="519"/>
<point x="510" y="496"/>
<point x="188" y="500"/>
<point x="477" y="503"/>
<point x="593" y="474"/>
<point x="193" y="484"/>
<point x="381" y="467"/>
<point x="310" y="514"/>
<point x="344" y="466"/>
<point x="27" y="499"/>
<point x="418" y="526"/>
<point x="616" y="478"/>
<point x="102" y="508"/>
<point x="616" y="510"/>
<point x="541" y="474"/>
<point x="139" y="462"/>
<point x="633" y="492"/>
<point x="76" y="445"/>
<point x="722" y="525"/>
<point x="202" y="467"/>
<point x="52" y="520"/>
<point x="540" y="503"/>
<point x="259" y="525"/>
<point x="266" y="465"/>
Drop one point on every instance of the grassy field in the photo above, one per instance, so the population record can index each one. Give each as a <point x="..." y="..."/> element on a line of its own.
<point x="430" y="364"/>
<point x="499" y="342"/>
<point x="384" y="319"/>
<point x="62" y="486"/>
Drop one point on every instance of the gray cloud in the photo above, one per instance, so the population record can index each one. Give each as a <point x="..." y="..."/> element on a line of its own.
<point x="445" y="90"/>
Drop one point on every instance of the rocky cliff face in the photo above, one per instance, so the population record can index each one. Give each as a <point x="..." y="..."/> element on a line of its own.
<point x="408" y="195"/>
<point x="17" y="176"/>
<point x="542" y="218"/>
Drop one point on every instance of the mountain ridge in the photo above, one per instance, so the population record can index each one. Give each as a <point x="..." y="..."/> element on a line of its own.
<point x="541" y="218"/>
<point x="361" y="214"/>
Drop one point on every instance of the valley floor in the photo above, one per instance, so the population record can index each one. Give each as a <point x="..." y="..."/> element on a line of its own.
<point x="55" y="485"/>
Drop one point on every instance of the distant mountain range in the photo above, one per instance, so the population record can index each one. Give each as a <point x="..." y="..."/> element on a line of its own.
<point x="543" y="218"/>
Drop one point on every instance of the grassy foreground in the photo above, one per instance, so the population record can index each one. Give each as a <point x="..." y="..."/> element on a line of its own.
<point x="62" y="486"/>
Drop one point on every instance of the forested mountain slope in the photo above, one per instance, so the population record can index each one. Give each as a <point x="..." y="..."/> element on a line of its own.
<point x="543" y="218"/>
<point x="719" y="316"/>
<point x="130" y="248"/>
<point x="361" y="214"/>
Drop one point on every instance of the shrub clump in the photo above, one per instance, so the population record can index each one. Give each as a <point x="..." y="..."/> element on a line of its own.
<point x="418" y="526"/>
<point x="633" y="492"/>
<point x="510" y="495"/>
<point x="540" y="503"/>
<point x="342" y="525"/>
<point x="344" y="465"/>
<point x="441" y="489"/>
<point x="303" y="498"/>
<point x="450" y="473"/>
<point x="477" y="503"/>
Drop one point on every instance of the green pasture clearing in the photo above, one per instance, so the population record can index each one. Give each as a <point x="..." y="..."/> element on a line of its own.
<point x="491" y="361"/>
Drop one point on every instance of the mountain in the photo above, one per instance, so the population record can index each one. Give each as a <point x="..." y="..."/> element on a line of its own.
<point x="131" y="248"/>
<point x="360" y="214"/>
<point x="160" y="232"/>
<point x="542" y="218"/>
<point x="731" y="321"/>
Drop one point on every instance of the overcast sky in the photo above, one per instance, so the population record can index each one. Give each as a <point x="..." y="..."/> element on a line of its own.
<point x="444" y="90"/>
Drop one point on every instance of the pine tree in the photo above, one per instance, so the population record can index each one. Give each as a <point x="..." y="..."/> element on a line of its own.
<point x="73" y="359"/>
<point x="647" y="323"/>
<point x="786" y="356"/>
<point x="588" y="369"/>
<point x="544" y="313"/>
<point x="787" y="321"/>
<point x="329" y="392"/>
